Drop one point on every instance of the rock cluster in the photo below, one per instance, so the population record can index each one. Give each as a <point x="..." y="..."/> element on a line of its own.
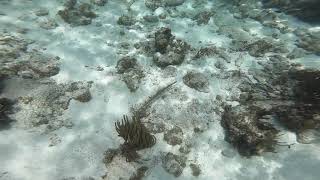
<point x="282" y="90"/>
<point x="195" y="168"/>
<point x="303" y="115"/>
<point x="169" y="50"/>
<point x="77" y="15"/>
<point x="25" y="80"/>
<point x="247" y="132"/>
<point x="131" y="72"/>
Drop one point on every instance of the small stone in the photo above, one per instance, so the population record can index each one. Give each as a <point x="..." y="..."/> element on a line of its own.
<point x="25" y="74"/>
<point x="170" y="71"/>
<point x="133" y="78"/>
<point x="196" y="81"/>
<point x="82" y="95"/>
<point x="109" y="155"/>
<point x="125" y="64"/>
<point x="126" y="20"/>
<point x="195" y="168"/>
<point x="77" y="15"/>
<point x="220" y="65"/>
<point x="174" y="136"/>
<point x="48" y="24"/>
<point x="230" y="153"/>
<point x="54" y="140"/>
<point x="25" y="99"/>
<point x="131" y="72"/>
<point x="172" y="58"/>
<point x="42" y="12"/>
<point x="174" y="164"/>
<point x="151" y="18"/>
<point x="99" y="68"/>
<point x="99" y="2"/>
<point x="70" y="4"/>
<point x="163" y="38"/>
<point x="22" y="30"/>
<point x="185" y="148"/>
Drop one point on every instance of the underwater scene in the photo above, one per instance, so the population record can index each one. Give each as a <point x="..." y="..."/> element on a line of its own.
<point x="159" y="89"/>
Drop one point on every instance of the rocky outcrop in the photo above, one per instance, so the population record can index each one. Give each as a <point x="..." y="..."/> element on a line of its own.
<point x="169" y="51"/>
<point x="303" y="116"/>
<point x="77" y="15"/>
<point x="131" y="72"/>
<point x="109" y="155"/>
<point x="24" y="79"/>
<point x="287" y="92"/>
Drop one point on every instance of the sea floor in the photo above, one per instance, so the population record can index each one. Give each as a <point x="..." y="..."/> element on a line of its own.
<point x="68" y="88"/>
